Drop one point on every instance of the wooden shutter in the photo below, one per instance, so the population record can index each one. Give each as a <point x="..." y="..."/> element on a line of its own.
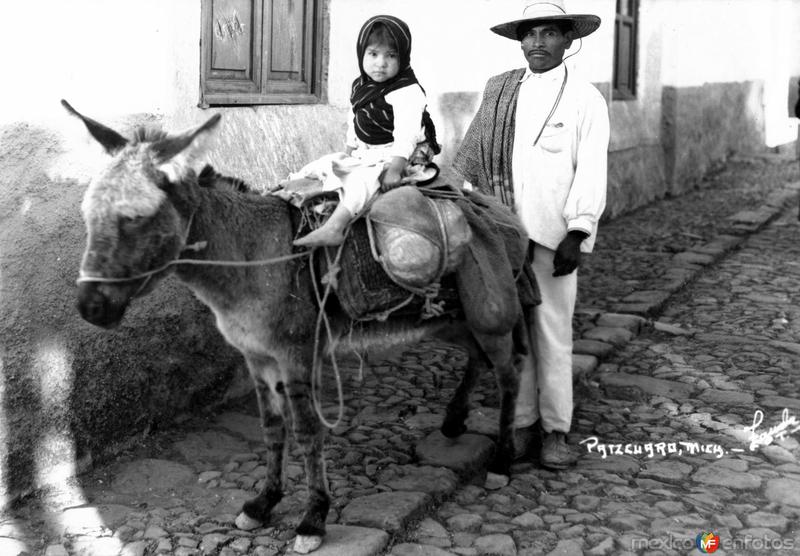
<point x="261" y="51"/>
<point x="232" y="53"/>
<point x="625" y="50"/>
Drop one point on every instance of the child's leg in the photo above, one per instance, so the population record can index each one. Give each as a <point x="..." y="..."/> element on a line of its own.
<point x="331" y="232"/>
<point x="358" y="187"/>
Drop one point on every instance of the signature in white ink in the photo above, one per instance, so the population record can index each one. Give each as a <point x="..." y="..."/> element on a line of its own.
<point x="789" y="424"/>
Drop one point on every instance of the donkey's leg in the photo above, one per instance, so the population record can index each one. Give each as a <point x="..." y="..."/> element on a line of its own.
<point x="499" y="349"/>
<point x="309" y="435"/>
<point x="458" y="408"/>
<point x="271" y="405"/>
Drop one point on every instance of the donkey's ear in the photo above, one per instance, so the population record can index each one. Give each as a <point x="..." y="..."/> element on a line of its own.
<point x="110" y="139"/>
<point x="176" y="155"/>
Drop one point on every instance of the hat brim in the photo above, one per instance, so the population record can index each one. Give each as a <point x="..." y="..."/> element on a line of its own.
<point x="582" y="25"/>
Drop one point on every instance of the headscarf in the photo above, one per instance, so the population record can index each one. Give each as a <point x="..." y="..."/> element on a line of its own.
<point x="373" y="116"/>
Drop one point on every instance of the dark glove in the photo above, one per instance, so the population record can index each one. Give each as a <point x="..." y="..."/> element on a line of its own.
<point x="568" y="253"/>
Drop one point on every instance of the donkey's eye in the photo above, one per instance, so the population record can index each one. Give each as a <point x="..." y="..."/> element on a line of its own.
<point x="131" y="221"/>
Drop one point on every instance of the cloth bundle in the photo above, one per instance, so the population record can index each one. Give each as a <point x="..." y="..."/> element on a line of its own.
<point x="495" y="280"/>
<point x="417" y="239"/>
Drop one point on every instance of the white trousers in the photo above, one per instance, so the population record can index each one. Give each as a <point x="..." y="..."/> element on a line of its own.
<point x="545" y="390"/>
<point x="357" y="179"/>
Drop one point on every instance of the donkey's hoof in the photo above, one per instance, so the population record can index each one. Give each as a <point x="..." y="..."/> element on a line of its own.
<point x="303" y="544"/>
<point x="495" y="481"/>
<point x="246" y="523"/>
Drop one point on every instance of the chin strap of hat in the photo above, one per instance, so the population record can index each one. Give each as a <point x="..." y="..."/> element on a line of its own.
<point x="555" y="105"/>
<point x="580" y="45"/>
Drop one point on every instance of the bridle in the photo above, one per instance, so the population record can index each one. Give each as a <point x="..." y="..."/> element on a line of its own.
<point x="84" y="277"/>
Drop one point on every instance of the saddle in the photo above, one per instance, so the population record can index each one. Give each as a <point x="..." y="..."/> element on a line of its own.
<point x="395" y="255"/>
<point x="366" y="292"/>
<point x="417" y="238"/>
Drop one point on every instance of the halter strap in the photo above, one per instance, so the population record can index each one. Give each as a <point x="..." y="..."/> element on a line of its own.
<point x="197" y="246"/>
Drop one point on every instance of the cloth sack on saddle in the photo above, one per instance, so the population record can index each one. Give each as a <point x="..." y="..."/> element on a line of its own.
<point x="485" y="248"/>
<point x="479" y="240"/>
<point x="416" y="238"/>
<point x="486" y="270"/>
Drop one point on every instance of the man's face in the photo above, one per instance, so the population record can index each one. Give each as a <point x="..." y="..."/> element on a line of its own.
<point x="544" y="46"/>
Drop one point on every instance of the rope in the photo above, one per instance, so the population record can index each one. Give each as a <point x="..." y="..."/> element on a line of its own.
<point x="322" y="318"/>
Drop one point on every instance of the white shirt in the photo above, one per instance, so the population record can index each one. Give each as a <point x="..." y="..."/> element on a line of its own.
<point x="407" y="103"/>
<point x="560" y="184"/>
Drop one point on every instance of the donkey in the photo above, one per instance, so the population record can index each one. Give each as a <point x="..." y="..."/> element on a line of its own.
<point x="147" y="215"/>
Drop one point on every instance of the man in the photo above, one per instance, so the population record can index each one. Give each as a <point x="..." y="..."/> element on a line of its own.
<point x="539" y="142"/>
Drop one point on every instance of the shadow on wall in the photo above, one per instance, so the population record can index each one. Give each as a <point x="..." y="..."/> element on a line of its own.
<point x="452" y="116"/>
<point x="635" y="179"/>
<point x="702" y="126"/>
<point x="70" y="392"/>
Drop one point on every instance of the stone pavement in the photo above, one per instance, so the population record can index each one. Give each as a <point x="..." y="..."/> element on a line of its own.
<point x="676" y="357"/>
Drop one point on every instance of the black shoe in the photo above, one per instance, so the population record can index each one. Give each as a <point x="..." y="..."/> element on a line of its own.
<point x="527" y="442"/>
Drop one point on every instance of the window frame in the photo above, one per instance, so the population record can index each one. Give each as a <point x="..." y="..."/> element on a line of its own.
<point x="257" y="88"/>
<point x="626" y="16"/>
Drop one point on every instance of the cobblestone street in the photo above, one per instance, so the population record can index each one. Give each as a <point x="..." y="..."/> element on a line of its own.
<point x="687" y="421"/>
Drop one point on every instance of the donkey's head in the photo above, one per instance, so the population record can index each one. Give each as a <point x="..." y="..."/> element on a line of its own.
<point x="134" y="219"/>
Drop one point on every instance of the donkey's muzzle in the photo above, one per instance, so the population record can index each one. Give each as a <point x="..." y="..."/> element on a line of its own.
<point x="101" y="304"/>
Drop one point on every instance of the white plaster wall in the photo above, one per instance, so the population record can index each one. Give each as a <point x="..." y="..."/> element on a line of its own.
<point x="125" y="57"/>
<point x="719" y="41"/>
<point x="120" y="57"/>
<point x="637" y="122"/>
<point x="111" y="60"/>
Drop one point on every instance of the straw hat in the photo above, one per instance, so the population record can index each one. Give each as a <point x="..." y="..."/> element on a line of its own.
<point x="549" y="10"/>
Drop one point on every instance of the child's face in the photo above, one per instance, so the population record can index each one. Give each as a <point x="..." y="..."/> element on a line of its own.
<point x="381" y="62"/>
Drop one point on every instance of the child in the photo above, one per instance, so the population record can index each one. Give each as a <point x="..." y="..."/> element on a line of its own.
<point x="389" y="121"/>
